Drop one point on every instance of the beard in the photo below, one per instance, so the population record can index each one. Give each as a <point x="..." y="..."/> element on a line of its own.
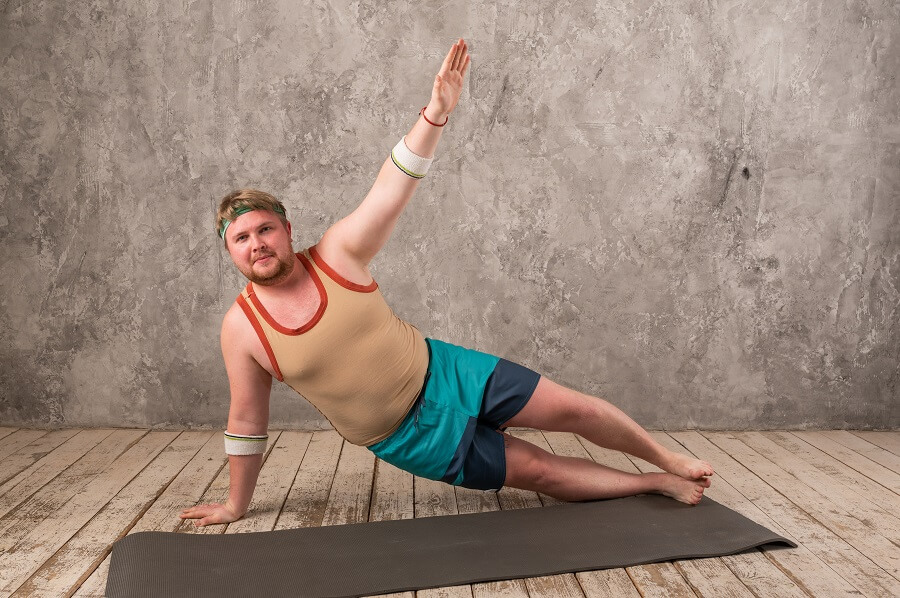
<point x="271" y="274"/>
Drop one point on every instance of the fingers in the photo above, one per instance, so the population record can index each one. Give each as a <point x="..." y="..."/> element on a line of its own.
<point x="191" y="513"/>
<point x="203" y="514"/>
<point x="457" y="50"/>
<point x="460" y="55"/>
<point x="197" y="512"/>
<point x="211" y="513"/>
<point x="448" y="60"/>
<point x="457" y="57"/>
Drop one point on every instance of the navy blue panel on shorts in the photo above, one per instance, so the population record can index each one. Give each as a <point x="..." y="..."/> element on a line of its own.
<point x="506" y="392"/>
<point x="483" y="459"/>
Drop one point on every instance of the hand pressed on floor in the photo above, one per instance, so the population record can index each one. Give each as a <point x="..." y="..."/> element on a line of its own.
<point x="210" y="513"/>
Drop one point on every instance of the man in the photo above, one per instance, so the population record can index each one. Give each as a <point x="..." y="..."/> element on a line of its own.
<point x="316" y="321"/>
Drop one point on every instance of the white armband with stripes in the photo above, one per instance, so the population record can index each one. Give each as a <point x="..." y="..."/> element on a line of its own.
<point x="412" y="164"/>
<point x="242" y="444"/>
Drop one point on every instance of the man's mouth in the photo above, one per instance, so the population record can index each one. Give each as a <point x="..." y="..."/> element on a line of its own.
<point x="262" y="259"/>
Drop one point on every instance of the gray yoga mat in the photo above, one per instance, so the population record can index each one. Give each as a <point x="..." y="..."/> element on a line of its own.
<point x="391" y="556"/>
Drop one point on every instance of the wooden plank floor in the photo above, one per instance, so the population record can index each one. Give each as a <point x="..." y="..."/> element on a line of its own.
<point x="67" y="495"/>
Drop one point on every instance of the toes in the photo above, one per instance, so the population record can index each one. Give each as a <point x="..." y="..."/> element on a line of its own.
<point x="695" y="468"/>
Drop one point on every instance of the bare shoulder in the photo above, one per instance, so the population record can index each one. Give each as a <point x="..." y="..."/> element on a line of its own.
<point x="340" y="259"/>
<point x="242" y="351"/>
<point x="233" y="316"/>
<point x="235" y="327"/>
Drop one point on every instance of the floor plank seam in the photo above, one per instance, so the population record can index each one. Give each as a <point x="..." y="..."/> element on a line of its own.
<point x="798" y="582"/>
<point x="375" y="468"/>
<point x="862" y="473"/>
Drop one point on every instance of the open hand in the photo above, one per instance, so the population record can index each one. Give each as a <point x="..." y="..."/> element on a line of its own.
<point x="448" y="83"/>
<point x="211" y="513"/>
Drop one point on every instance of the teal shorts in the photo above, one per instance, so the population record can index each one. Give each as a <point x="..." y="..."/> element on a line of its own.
<point x="451" y="433"/>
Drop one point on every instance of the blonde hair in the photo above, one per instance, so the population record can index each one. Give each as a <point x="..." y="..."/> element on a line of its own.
<point x="237" y="202"/>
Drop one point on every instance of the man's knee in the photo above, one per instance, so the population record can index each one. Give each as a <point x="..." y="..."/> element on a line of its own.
<point x="527" y="465"/>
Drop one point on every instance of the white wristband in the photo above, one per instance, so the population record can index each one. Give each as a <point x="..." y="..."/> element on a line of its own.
<point x="241" y="444"/>
<point x="414" y="165"/>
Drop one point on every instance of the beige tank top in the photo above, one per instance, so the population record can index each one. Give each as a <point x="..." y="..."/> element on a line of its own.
<point x="359" y="364"/>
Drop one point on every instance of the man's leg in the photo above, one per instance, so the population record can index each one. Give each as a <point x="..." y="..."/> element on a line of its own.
<point x="556" y="408"/>
<point x="568" y="478"/>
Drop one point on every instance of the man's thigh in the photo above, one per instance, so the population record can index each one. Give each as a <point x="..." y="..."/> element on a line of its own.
<point x="552" y="407"/>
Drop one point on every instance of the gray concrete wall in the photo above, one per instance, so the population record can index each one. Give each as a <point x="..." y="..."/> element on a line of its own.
<point x="688" y="208"/>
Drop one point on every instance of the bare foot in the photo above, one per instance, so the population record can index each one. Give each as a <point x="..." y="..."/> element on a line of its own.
<point x="681" y="489"/>
<point x="688" y="467"/>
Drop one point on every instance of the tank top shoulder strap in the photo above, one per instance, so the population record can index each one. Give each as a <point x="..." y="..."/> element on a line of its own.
<point x="254" y="321"/>
<point x="330" y="272"/>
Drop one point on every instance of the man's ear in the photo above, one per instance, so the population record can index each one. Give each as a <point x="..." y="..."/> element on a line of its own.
<point x="287" y="226"/>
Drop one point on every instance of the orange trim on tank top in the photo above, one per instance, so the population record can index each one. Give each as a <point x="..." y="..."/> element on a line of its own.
<point x="323" y="303"/>
<point x="262" y="336"/>
<point x="360" y="288"/>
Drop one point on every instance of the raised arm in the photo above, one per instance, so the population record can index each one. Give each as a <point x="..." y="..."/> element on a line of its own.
<point x="248" y="415"/>
<point x="365" y="231"/>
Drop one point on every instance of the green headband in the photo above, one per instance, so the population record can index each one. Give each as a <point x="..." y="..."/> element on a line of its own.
<point x="244" y="210"/>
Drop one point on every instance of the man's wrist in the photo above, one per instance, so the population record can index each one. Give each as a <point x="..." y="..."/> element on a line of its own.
<point x="435" y="116"/>
<point x="234" y="510"/>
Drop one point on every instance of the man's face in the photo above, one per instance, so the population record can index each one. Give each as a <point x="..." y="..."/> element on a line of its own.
<point x="260" y="246"/>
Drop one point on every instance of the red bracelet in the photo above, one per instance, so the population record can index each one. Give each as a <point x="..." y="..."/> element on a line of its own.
<point x="422" y="112"/>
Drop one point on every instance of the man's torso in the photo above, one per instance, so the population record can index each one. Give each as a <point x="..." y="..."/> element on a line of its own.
<point x="300" y="309"/>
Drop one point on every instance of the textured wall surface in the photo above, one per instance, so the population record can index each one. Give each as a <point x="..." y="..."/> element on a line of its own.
<point x="691" y="209"/>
